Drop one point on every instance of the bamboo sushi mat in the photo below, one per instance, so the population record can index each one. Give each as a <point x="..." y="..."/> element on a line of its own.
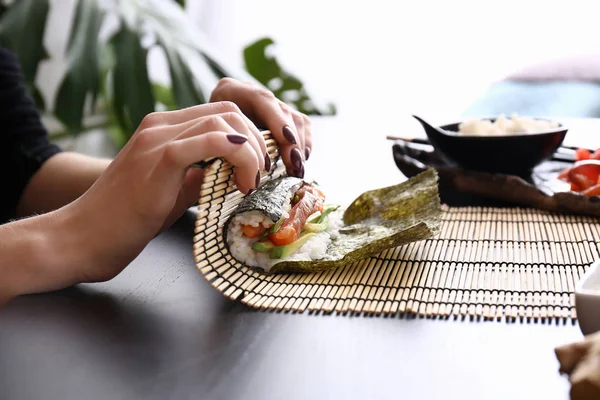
<point x="488" y="263"/>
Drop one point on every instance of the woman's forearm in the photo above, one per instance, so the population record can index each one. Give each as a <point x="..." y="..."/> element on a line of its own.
<point x="62" y="179"/>
<point x="34" y="252"/>
<point x="39" y="253"/>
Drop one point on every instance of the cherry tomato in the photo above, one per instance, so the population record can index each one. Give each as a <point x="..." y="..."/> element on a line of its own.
<point x="588" y="168"/>
<point x="582" y="154"/>
<point x="596" y="155"/>
<point x="592" y="191"/>
<point x="564" y="175"/>
<point x="581" y="181"/>
<point x="253" y="231"/>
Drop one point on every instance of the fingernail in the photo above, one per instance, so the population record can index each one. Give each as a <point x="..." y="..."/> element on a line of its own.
<point x="249" y="191"/>
<point x="289" y="135"/>
<point x="237" y="139"/>
<point x="267" y="163"/>
<point x="257" y="178"/>
<point x="299" y="173"/>
<point x="306" y="152"/>
<point x="296" y="157"/>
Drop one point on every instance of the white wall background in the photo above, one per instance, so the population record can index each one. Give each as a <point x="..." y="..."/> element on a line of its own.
<point x="386" y="57"/>
<point x="393" y="56"/>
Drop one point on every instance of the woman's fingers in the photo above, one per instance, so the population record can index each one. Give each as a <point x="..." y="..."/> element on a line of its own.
<point x="232" y="146"/>
<point x="299" y="121"/>
<point x="307" y="137"/>
<point x="290" y="128"/>
<point x="304" y="127"/>
<point x="230" y="121"/>
<point x="266" y="165"/>
<point x="226" y="135"/>
<point x="280" y="122"/>
<point x="242" y="124"/>
<point x="188" y="196"/>
<point x="189" y="114"/>
<point x="216" y="122"/>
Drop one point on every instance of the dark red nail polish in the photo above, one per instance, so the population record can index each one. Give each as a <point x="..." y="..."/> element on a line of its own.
<point x="306" y="152"/>
<point x="289" y="135"/>
<point x="267" y="163"/>
<point x="299" y="173"/>
<point x="237" y="139"/>
<point x="296" y="158"/>
<point x="257" y="178"/>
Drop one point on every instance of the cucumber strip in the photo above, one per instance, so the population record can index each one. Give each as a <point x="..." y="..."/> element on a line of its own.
<point x="285" y="251"/>
<point x="328" y="209"/>
<point x="263" y="247"/>
<point x="277" y="225"/>
<point x="313" y="217"/>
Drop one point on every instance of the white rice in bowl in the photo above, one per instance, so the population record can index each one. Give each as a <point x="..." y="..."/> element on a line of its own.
<point x="505" y="126"/>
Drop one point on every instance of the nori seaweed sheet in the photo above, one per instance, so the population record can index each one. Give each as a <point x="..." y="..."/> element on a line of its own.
<point x="379" y="220"/>
<point x="272" y="198"/>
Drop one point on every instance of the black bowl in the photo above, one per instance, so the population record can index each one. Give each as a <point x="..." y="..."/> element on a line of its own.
<point x="508" y="154"/>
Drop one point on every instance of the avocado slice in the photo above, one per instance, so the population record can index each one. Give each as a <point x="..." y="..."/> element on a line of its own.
<point x="263" y="247"/>
<point x="285" y="251"/>
<point x="317" y="227"/>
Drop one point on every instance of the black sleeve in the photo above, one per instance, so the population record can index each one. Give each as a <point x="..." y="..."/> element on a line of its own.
<point x="24" y="143"/>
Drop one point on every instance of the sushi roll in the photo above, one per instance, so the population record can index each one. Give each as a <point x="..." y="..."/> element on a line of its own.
<point x="286" y="226"/>
<point x="284" y="220"/>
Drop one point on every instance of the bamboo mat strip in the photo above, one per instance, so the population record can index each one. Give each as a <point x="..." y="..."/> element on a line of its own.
<point x="485" y="263"/>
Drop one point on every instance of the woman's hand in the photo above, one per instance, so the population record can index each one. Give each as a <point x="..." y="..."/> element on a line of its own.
<point x="291" y="129"/>
<point x="149" y="185"/>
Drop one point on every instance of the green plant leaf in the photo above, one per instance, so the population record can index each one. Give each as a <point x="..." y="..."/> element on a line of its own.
<point x="164" y="95"/>
<point x="118" y="135"/>
<point x="133" y="97"/>
<point x="216" y="68"/>
<point x="173" y="28"/>
<point x="38" y="98"/>
<point x="181" y="3"/>
<point x="258" y="64"/>
<point x="22" y="31"/>
<point x="266" y="70"/>
<point x="185" y="88"/>
<point x="83" y="71"/>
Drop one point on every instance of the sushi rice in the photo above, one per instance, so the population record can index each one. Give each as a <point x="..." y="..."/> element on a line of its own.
<point x="314" y="249"/>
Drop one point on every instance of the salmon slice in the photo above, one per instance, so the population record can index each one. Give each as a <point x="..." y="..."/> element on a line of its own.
<point x="309" y="201"/>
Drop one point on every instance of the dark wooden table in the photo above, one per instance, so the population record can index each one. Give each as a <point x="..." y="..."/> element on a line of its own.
<point x="159" y="331"/>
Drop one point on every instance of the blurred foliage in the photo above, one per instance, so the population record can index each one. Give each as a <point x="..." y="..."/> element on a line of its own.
<point x="285" y="86"/>
<point x="112" y="71"/>
<point x="22" y="30"/>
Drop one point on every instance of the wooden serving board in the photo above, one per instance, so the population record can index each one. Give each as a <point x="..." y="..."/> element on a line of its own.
<point x="459" y="187"/>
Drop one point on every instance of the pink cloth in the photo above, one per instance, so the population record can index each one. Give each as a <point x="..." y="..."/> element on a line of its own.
<point x="579" y="68"/>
